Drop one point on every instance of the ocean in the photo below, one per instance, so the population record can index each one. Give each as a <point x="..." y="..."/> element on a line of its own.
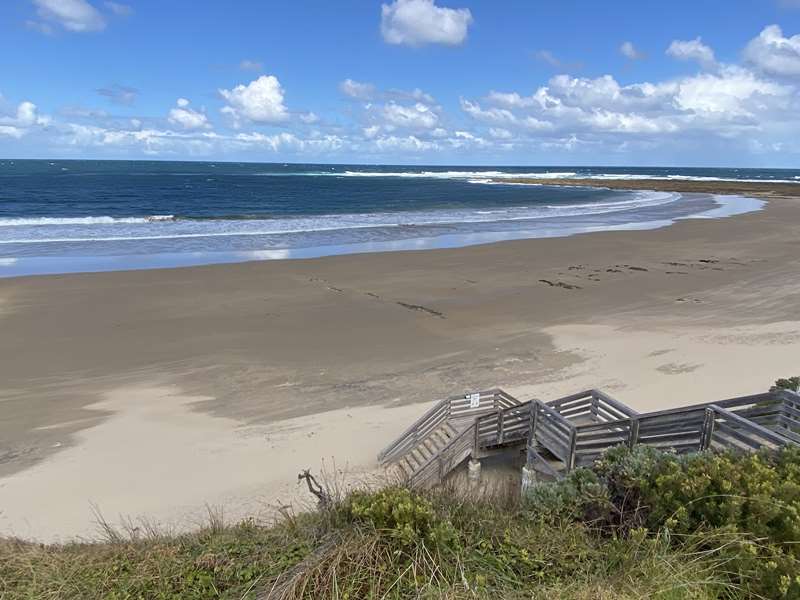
<point x="59" y="216"/>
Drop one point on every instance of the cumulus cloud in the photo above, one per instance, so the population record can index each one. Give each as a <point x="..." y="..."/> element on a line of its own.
<point x="416" y="94"/>
<point x="500" y="133"/>
<point x="410" y="143"/>
<point x="724" y="103"/>
<point x="260" y="101"/>
<point x="420" y="22"/>
<point x="187" y="118"/>
<point x="694" y="50"/>
<point x="357" y="89"/>
<point x="72" y="15"/>
<point x="628" y="50"/>
<point x="417" y="116"/>
<point x="773" y="53"/>
<point x="25" y="117"/>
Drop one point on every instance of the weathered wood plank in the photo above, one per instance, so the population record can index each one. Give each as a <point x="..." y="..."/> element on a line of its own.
<point x="614" y="403"/>
<point x="763" y="432"/>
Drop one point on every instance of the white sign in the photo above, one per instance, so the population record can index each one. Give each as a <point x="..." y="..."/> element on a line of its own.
<point x="474" y="400"/>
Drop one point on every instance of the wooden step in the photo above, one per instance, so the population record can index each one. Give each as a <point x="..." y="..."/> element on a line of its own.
<point x="405" y="469"/>
<point x="420" y="457"/>
<point x="430" y="445"/>
<point x="441" y="439"/>
<point x="412" y="460"/>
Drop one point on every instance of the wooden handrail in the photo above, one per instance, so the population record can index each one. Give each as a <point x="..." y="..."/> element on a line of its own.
<point x="763" y="432"/>
<point x="439" y="413"/>
<point x="502" y="419"/>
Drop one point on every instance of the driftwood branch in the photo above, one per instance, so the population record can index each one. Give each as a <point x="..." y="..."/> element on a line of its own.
<point x="323" y="498"/>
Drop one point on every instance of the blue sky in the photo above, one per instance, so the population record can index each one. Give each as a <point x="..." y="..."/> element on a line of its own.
<point x="403" y="81"/>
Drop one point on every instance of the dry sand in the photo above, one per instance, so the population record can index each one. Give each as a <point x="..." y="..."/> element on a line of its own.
<point x="153" y="393"/>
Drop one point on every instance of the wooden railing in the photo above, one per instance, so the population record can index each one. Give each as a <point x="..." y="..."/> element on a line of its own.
<point x="502" y="426"/>
<point x="591" y="404"/>
<point x="577" y="429"/>
<point x="788" y="422"/>
<point x="725" y="429"/>
<point x="592" y="422"/>
<point x="447" y="459"/>
<point x="460" y="411"/>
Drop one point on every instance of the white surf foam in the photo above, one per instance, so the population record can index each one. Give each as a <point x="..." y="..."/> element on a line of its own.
<point x="99" y="220"/>
<point x="117" y="231"/>
<point x="488" y="176"/>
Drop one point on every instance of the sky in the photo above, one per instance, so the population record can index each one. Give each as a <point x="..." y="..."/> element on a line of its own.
<point x="517" y="82"/>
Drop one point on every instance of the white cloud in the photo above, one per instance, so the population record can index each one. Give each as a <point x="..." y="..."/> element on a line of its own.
<point x="23" y="120"/>
<point x="548" y="57"/>
<point x="72" y="15"/>
<point x="11" y="131"/>
<point x="420" y="22"/>
<point x="489" y="115"/>
<point x="409" y="143"/>
<point x="260" y="101"/>
<point x="187" y="118"/>
<point x="724" y="103"/>
<point x="692" y="50"/>
<point x="250" y="65"/>
<point x="773" y="53"/>
<point x="416" y="94"/>
<point x="500" y="133"/>
<point x="371" y="131"/>
<point x="121" y="10"/>
<point x="628" y="50"/>
<point x="551" y="59"/>
<point x="357" y="89"/>
<point x="309" y="118"/>
<point x="418" y="116"/>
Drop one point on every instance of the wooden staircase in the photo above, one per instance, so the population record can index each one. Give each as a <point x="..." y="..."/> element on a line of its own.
<point x="574" y="431"/>
<point x="442" y="438"/>
<point x="427" y="449"/>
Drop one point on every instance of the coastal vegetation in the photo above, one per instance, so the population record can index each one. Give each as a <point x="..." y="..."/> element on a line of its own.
<point x="640" y="523"/>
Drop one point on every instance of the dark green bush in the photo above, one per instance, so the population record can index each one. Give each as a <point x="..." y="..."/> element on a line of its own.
<point x="750" y="503"/>
<point x="790" y="383"/>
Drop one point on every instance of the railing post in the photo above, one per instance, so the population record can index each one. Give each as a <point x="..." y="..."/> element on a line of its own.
<point x="595" y="406"/>
<point x="500" y="425"/>
<point x="708" y="429"/>
<point x="533" y="422"/>
<point x="476" y="448"/>
<point x="572" y="443"/>
<point x="533" y="419"/>
<point x="633" y="435"/>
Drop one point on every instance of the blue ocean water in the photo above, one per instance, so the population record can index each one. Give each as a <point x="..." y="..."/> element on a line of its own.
<point x="61" y="216"/>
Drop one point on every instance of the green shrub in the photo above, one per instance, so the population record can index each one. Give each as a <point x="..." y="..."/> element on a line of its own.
<point x="404" y="515"/>
<point x="749" y="503"/>
<point x="790" y="383"/>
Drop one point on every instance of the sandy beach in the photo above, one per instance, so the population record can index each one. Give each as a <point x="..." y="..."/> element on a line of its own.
<point x="152" y="394"/>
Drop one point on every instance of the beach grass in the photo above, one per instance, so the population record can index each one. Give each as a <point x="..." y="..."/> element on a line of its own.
<point x="573" y="539"/>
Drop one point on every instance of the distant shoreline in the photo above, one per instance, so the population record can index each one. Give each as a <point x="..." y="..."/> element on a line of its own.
<point x="766" y="188"/>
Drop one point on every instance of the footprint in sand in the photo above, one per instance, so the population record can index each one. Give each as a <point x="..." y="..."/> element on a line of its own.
<point x="677" y="368"/>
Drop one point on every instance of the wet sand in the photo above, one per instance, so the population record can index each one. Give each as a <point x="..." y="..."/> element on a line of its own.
<point x="152" y="393"/>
